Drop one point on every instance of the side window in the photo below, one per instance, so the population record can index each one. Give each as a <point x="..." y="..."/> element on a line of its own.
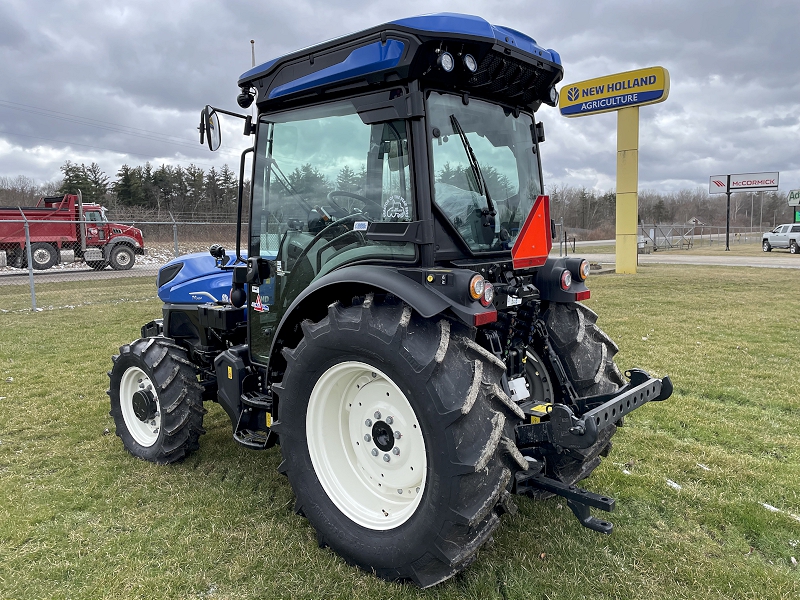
<point x="785" y="229"/>
<point x="796" y="229"/>
<point x="321" y="177"/>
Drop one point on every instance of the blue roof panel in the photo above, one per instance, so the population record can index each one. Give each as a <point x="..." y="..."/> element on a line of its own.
<point x="477" y="26"/>
<point x="378" y="56"/>
<point x="361" y="61"/>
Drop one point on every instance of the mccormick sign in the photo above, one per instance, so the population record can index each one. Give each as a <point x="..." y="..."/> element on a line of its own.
<point x="612" y="92"/>
<point x="743" y="182"/>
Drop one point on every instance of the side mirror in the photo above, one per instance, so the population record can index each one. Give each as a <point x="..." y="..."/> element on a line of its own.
<point x="209" y="128"/>
<point x="539" y="132"/>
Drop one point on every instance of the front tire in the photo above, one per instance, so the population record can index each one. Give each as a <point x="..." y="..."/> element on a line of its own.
<point x="793" y="247"/>
<point x="122" y="258"/>
<point x="766" y="246"/>
<point x="156" y="401"/>
<point x="363" y="375"/>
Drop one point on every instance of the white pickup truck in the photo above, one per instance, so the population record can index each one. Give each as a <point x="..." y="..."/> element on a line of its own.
<point x="783" y="236"/>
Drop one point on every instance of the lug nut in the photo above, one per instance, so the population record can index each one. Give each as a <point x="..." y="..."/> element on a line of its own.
<point x="386" y="458"/>
<point x="396" y="451"/>
<point x="399" y="491"/>
<point x="367" y="438"/>
<point x="389" y="420"/>
<point x="368" y="422"/>
<point x="397" y="435"/>
<point x="374" y="452"/>
<point x="141" y="386"/>
<point x="377" y="415"/>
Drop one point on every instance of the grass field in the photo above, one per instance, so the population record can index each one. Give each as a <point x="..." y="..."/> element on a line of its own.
<point x="80" y="518"/>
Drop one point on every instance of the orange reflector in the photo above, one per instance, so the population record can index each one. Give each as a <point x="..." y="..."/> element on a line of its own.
<point x="490" y="316"/>
<point x="582" y="295"/>
<point x="534" y="241"/>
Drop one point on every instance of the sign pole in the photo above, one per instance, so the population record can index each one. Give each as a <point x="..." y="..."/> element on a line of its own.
<point x="728" y="216"/>
<point x="627" y="206"/>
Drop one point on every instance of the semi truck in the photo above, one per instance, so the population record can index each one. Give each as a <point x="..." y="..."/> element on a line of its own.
<point x="64" y="229"/>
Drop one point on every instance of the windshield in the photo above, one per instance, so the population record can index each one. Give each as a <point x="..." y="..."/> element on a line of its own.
<point x="503" y="177"/>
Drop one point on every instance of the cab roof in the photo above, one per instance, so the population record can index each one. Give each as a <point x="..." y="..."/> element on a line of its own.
<point x="390" y="52"/>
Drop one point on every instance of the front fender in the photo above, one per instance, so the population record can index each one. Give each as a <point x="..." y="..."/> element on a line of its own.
<point x="121" y="239"/>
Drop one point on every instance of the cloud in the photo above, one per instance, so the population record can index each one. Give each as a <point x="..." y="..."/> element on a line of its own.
<point x="123" y="82"/>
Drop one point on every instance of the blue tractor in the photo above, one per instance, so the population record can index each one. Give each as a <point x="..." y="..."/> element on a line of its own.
<point x="393" y="318"/>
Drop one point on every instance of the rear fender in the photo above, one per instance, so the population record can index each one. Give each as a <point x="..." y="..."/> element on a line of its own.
<point x="358" y="280"/>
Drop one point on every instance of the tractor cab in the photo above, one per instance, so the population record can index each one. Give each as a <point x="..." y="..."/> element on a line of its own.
<point x="412" y="145"/>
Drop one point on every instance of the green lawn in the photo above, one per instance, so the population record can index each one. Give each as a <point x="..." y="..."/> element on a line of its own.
<point x="80" y="518"/>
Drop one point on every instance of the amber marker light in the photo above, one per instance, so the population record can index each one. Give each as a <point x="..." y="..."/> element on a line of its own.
<point x="476" y="286"/>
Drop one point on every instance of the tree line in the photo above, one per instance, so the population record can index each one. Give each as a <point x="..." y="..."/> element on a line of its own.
<point x="145" y="192"/>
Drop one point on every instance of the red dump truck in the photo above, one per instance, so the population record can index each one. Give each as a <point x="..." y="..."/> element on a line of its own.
<point x="64" y="229"/>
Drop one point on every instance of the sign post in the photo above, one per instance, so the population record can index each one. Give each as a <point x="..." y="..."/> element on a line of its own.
<point x="742" y="182"/>
<point x="623" y="93"/>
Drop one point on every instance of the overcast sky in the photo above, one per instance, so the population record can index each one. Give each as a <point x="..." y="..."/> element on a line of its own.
<point x="123" y="82"/>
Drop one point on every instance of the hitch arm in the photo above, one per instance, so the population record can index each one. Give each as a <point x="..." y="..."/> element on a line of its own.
<point x="567" y="430"/>
<point x="578" y="499"/>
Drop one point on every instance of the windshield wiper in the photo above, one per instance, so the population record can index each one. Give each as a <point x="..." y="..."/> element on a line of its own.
<point x="483" y="189"/>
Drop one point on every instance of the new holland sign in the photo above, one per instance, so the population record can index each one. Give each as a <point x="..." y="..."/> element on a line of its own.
<point x="743" y="182"/>
<point x="612" y="92"/>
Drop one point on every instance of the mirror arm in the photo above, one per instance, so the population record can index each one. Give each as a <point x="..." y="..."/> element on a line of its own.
<point x="227" y="112"/>
<point x="239" y="206"/>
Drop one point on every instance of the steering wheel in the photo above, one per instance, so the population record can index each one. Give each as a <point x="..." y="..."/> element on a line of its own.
<point x="367" y="202"/>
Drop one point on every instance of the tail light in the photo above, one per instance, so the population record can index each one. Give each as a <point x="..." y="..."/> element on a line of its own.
<point x="566" y="279"/>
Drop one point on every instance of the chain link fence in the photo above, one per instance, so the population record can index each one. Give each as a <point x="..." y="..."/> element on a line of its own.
<point x="685" y="237"/>
<point x="41" y="271"/>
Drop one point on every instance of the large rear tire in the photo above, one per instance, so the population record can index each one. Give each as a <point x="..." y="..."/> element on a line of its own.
<point x="397" y="439"/>
<point x="156" y="401"/>
<point x="587" y="355"/>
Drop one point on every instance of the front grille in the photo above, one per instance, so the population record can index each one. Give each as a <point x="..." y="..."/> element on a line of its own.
<point x="168" y="273"/>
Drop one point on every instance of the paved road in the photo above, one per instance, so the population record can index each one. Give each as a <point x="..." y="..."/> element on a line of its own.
<point x="772" y="260"/>
<point x="82" y="273"/>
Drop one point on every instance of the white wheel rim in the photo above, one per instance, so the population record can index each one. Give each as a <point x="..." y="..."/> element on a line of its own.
<point x="41" y="256"/>
<point x="350" y="401"/>
<point x="145" y="433"/>
<point x="123" y="258"/>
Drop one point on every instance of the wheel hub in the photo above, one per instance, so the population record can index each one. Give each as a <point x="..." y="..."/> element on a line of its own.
<point x="144" y="405"/>
<point x="383" y="436"/>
